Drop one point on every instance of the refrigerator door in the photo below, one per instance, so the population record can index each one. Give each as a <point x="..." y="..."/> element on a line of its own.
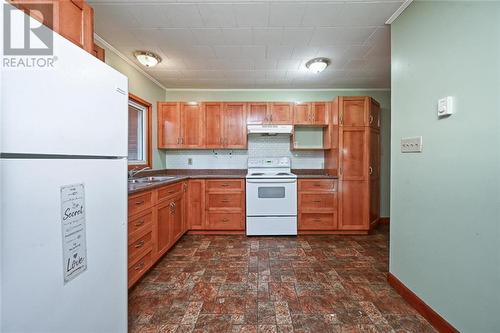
<point x="35" y="296"/>
<point x="79" y="107"/>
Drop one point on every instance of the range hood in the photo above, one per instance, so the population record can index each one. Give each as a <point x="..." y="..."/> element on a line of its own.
<point x="270" y="129"/>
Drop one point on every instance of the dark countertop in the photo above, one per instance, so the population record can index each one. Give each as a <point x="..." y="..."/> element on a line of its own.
<point x="183" y="174"/>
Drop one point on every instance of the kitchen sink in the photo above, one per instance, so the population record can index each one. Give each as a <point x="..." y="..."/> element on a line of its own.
<point x="152" y="179"/>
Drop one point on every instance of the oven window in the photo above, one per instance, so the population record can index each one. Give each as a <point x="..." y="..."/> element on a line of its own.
<point x="271" y="192"/>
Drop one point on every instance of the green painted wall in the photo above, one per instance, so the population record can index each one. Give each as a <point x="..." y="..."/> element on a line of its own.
<point x="382" y="96"/>
<point x="141" y="86"/>
<point x="445" y="202"/>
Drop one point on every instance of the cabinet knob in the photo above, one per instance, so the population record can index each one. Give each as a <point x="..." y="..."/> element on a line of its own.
<point x="370" y="170"/>
<point x="139" y="266"/>
<point x="371" y="119"/>
<point x="139" y="202"/>
<point x="139" y="244"/>
<point x="139" y="223"/>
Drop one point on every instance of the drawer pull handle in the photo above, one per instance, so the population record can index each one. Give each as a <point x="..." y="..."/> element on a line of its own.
<point x="225" y="220"/>
<point x="317" y="185"/>
<point x="139" y="223"/>
<point x="224" y="201"/>
<point x="139" y="202"/>
<point x="316" y="201"/>
<point x="139" y="244"/>
<point x="224" y="185"/>
<point x="139" y="266"/>
<point x="171" y="191"/>
<point x="317" y="220"/>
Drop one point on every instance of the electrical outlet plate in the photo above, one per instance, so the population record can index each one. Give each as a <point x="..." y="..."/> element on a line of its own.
<point x="411" y="145"/>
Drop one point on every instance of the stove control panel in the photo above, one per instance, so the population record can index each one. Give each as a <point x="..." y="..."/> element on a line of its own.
<point x="269" y="162"/>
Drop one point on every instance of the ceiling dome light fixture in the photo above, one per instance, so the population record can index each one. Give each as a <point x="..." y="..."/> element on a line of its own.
<point x="317" y="65"/>
<point x="146" y="58"/>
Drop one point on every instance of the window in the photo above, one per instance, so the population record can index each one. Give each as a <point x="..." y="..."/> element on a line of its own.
<point x="139" y="132"/>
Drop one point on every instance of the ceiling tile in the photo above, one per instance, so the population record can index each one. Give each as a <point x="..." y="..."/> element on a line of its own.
<point x="322" y="14"/>
<point x="279" y="52"/>
<point x="267" y="36"/>
<point x="251" y="14"/>
<point x="211" y="36"/>
<point x="297" y="36"/>
<point x="341" y="35"/>
<point x="217" y="15"/>
<point x="286" y="14"/>
<point x="237" y="36"/>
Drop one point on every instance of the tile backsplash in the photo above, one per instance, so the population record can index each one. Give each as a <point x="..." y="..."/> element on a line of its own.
<point x="258" y="146"/>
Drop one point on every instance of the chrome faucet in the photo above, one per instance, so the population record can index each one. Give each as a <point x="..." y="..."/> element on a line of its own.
<point x="132" y="173"/>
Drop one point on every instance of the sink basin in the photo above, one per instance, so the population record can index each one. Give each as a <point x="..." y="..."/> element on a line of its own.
<point x="152" y="179"/>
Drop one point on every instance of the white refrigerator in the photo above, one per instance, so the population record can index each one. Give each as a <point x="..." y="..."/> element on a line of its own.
<point x="63" y="197"/>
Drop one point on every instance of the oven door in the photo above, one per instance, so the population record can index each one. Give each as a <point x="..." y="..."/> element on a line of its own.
<point x="271" y="197"/>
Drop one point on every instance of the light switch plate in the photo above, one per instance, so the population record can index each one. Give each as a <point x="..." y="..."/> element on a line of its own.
<point x="411" y="145"/>
<point x="445" y="106"/>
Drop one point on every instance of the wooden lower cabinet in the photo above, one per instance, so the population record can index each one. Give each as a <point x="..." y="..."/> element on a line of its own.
<point x="225" y="204"/>
<point x="195" y="203"/>
<point x="317" y="200"/>
<point x="353" y="205"/>
<point x="157" y="219"/>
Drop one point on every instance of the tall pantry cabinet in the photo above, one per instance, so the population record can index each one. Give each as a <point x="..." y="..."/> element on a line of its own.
<point x="358" y="161"/>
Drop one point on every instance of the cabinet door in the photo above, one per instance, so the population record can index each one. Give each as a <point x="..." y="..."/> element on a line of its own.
<point x="354" y="205"/>
<point x="169" y="125"/>
<point x="257" y="113"/>
<point x="235" y="129"/>
<point x="196" y="204"/>
<point x="164" y="227"/>
<point x="76" y="23"/>
<point x="177" y="225"/>
<point x="213" y="125"/>
<point x="374" y="114"/>
<point x="193" y="126"/>
<point x="374" y="154"/>
<point x="318" y="221"/>
<point x="302" y="114"/>
<point x="281" y="113"/>
<point x="320" y="113"/>
<point x="353" y="154"/>
<point x="353" y="111"/>
<point x="374" y="193"/>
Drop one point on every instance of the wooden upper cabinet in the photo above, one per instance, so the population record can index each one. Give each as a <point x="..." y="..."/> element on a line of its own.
<point x="320" y="113"/>
<point x="302" y="114"/>
<point x="76" y="23"/>
<point x="169" y="125"/>
<point x="213" y="124"/>
<point x="72" y="19"/>
<point x="374" y="154"/>
<point x="353" y="111"/>
<point x="257" y="113"/>
<point x="235" y="131"/>
<point x="374" y="114"/>
<point x="281" y="113"/>
<point x="193" y="126"/>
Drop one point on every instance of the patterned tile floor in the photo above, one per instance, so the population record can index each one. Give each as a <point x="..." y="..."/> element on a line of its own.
<point x="308" y="284"/>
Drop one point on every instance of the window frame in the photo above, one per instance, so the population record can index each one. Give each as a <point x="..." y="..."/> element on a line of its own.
<point x="148" y="127"/>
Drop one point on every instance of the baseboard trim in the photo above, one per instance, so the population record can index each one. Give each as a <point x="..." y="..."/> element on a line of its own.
<point x="418" y="304"/>
<point x="384" y="220"/>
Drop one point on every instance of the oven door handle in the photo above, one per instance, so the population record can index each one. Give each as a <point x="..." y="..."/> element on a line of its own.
<point x="271" y="181"/>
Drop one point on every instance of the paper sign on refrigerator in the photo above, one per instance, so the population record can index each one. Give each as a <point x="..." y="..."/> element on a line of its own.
<point x="73" y="231"/>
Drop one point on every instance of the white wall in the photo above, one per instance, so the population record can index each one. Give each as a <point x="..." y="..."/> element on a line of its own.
<point x="258" y="146"/>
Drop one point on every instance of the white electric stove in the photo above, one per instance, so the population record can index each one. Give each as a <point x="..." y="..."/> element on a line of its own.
<point x="271" y="197"/>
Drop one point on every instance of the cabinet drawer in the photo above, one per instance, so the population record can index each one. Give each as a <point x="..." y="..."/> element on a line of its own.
<point x="138" y="246"/>
<point x="318" y="201"/>
<point x="140" y="202"/>
<point x="318" y="185"/>
<point x="169" y="191"/>
<point x="225" y="185"/>
<point x="222" y="201"/>
<point x="225" y="221"/>
<point x="143" y="221"/>
<point x="318" y="221"/>
<point x="139" y="267"/>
